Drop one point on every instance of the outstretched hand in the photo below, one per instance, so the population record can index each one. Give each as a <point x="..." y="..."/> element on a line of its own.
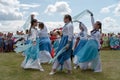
<point x="90" y="12"/>
<point x="67" y="47"/>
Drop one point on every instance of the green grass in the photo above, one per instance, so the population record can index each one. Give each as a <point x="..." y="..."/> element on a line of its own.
<point x="10" y="69"/>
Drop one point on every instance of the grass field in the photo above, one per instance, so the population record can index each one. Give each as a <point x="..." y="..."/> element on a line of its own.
<point x="10" y="69"/>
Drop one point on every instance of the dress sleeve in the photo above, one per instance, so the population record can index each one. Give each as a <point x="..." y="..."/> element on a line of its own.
<point x="85" y="36"/>
<point x="34" y="34"/>
<point x="98" y="39"/>
<point x="92" y="21"/>
<point x="84" y="32"/>
<point x="70" y="32"/>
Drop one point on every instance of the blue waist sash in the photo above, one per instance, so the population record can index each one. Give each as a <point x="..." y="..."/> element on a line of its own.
<point x="44" y="44"/>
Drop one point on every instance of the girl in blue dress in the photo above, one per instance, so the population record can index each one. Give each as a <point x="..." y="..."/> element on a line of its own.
<point x="44" y="44"/>
<point x="63" y="60"/>
<point x="89" y="55"/>
<point x="32" y="60"/>
<point x="81" y="40"/>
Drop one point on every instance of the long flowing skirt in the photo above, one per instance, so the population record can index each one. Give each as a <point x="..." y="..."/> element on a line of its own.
<point x="95" y="65"/>
<point x="90" y="54"/>
<point x="76" y="50"/>
<point x="63" y="59"/>
<point x="31" y="59"/>
<point x="79" y="46"/>
<point x="45" y="49"/>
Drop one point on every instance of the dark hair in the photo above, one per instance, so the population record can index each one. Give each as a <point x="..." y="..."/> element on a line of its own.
<point x="32" y="23"/>
<point x="58" y="32"/>
<point x="27" y="31"/>
<point x="32" y="16"/>
<point x="100" y="25"/>
<point x="67" y="16"/>
<point x="41" y="25"/>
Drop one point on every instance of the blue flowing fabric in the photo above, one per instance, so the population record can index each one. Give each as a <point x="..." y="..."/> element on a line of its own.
<point x="21" y="48"/>
<point x="44" y="44"/>
<point x="80" y="46"/>
<point x="1" y="42"/>
<point x="27" y="41"/>
<point x="67" y="53"/>
<point x="58" y="54"/>
<point x="80" y="15"/>
<point x="27" y="23"/>
<point x="56" y="44"/>
<point x="32" y="52"/>
<point x="88" y="52"/>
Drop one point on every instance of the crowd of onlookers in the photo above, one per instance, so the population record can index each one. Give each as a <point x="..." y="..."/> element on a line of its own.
<point x="7" y="40"/>
<point x="111" y="40"/>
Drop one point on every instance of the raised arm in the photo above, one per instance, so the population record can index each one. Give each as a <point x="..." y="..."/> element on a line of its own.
<point x="92" y="18"/>
<point x="92" y="21"/>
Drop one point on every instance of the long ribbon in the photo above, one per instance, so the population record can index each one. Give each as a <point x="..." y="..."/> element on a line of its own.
<point x="58" y="54"/>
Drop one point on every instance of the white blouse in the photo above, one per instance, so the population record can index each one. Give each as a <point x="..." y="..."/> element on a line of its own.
<point x="43" y="32"/>
<point x="96" y="35"/>
<point x="68" y="30"/>
<point x="26" y="36"/>
<point x="83" y="34"/>
<point x="34" y="34"/>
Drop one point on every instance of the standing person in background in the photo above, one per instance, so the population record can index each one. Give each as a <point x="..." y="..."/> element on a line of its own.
<point x="52" y="37"/>
<point x="10" y="42"/>
<point x="63" y="60"/>
<point x="57" y="41"/>
<point x="1" y="42"/>
<point x="26" y="36"/>
<point x="5" y="43"/>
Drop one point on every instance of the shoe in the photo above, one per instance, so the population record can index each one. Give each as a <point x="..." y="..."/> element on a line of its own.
<point x="76" y="67"/>
<point x="97" y="71"/>
<point x="69" y="72"/>
<point x="42" y="70"/>
<point x="51" y="73"/>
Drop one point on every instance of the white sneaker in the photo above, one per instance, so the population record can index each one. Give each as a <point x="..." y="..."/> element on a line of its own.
<point x="42" y="70"/>
<point x="97" y="71"/>
<point x="76" y="67"/>
<point x="51" y="73"/>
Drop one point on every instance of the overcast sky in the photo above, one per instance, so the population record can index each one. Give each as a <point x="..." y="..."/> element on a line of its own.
<point x="13" y="13"/>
